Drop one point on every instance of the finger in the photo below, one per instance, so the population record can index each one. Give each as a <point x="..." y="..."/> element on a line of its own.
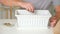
<point x="27" y="8"/>
<point x="32" y="8"/>
<point x="53" y="23"/>
<point x="52" y="19"/>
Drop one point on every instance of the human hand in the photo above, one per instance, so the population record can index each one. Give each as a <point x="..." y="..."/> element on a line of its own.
<point x="27" y="6"/>
<point x="53" y="21"/>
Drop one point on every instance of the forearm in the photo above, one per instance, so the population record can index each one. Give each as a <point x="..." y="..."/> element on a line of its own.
<point x="11" y="3"/>
<point x="57" y="9"/>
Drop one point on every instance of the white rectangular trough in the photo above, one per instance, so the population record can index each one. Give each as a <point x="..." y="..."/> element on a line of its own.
<point x="33" y="23"/>
<point x="38" y="19"/>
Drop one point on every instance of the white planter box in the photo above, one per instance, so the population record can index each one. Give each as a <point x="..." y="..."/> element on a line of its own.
<point x="37" y="21"/>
